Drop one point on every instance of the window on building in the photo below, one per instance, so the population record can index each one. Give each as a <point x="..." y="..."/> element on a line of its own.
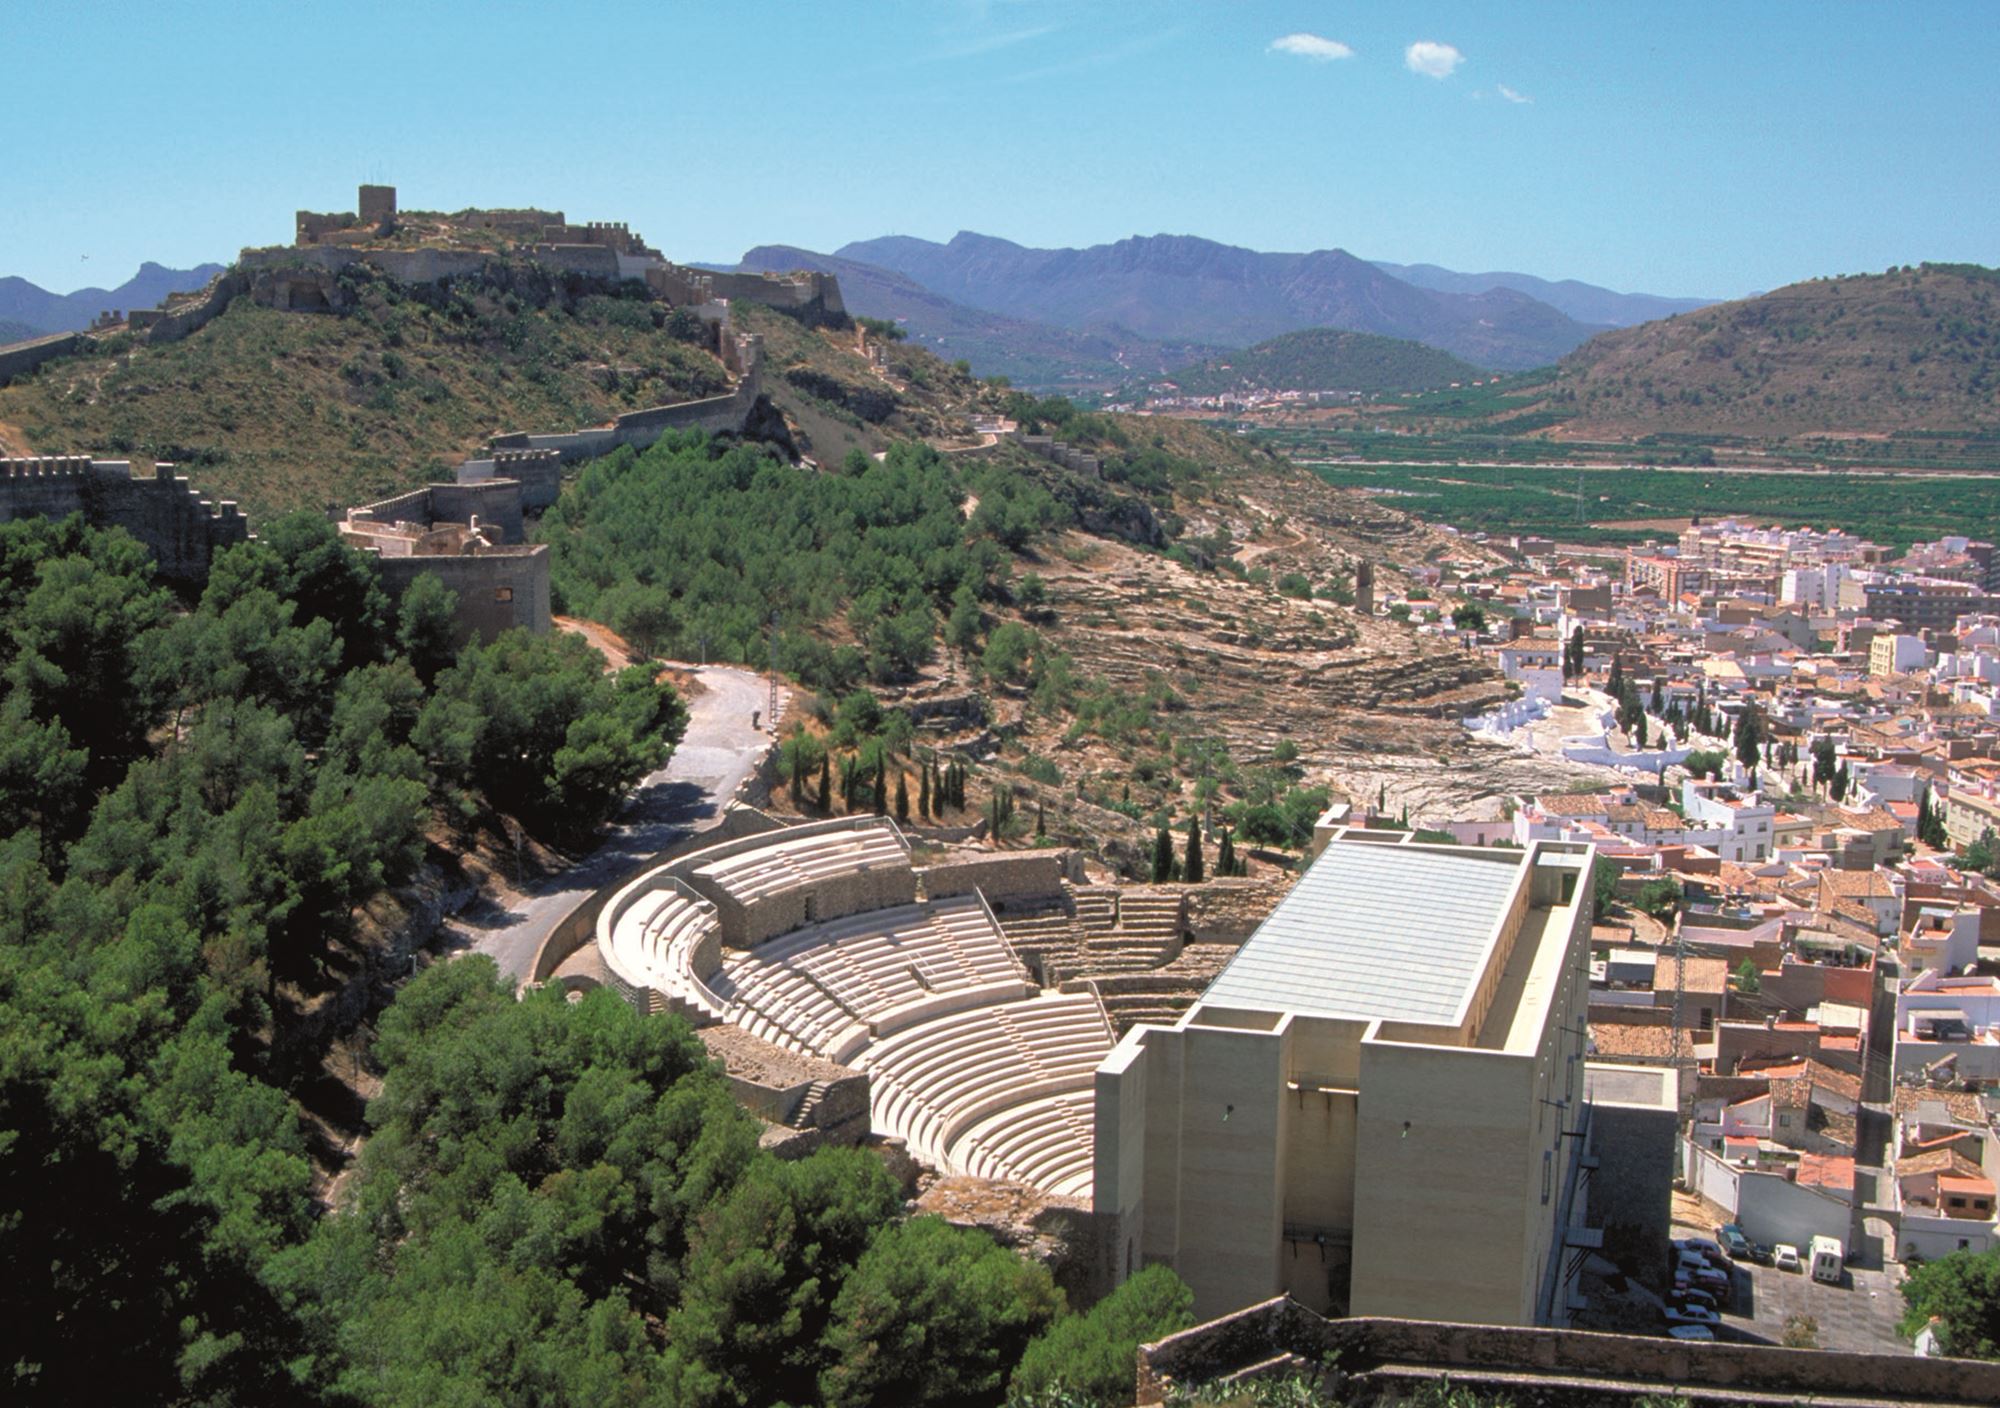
<point x="503" y="593"/>
<point x="1958" y="1202"/>
<point x="1784" y="1121"/>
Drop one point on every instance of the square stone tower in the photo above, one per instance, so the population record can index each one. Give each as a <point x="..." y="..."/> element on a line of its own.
<point x="377" y="205"/>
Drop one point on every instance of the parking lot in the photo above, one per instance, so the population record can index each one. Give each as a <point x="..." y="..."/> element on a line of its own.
<point x="1858" y="1315"/>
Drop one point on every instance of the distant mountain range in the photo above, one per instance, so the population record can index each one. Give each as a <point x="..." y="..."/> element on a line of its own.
<point x="1040" y="355"/>
<point x="1326" y="359"/>
<point x="1174" y="288"/>
<point x="1587" y="303"/>
<point x="40" y="311"/>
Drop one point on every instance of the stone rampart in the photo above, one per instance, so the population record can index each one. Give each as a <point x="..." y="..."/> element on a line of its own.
<point x="494" y="502"/>
<point x="1578" y="1366"/>
<point x="799" y="292"/>
<point x="17" y="359"/>
<point x="182" y="316"/>
<point x="497" y="591"/>
<point x="1057" y="452"/>
<point x="715" y="415"/>
<point x="538" y="472"/>
<point x="182" y="530"/>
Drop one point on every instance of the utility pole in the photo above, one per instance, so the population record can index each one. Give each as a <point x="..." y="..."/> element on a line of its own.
<point x="771" y="710"/>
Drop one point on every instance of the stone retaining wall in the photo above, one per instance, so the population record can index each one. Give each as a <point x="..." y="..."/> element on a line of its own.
<point x="1596" y="1367"/>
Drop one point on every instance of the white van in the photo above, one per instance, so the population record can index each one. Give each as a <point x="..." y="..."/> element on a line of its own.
<point x="1827" y="1259"/>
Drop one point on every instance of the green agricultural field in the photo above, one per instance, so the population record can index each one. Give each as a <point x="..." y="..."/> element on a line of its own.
<point x="1894" y="510"/>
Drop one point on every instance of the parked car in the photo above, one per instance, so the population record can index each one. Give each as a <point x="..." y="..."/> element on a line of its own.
<point x="1715" y="1283"/>
<point x="1785" y="1257"/>
<point x="1760" y="1254"/>
<point x="1690" y="1315"/>
<point x="1691" y="1295"/>
<point x="1703" y="1246"/>
<point x="1700" y="1333"/>
<point x="1734" y="1242"/>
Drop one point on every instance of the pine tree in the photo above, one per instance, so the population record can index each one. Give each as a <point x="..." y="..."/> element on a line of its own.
<point x="1163" y="856"/>
<point x="826" y="781"/>
<point x="1225" y="855"/>
<point x="924" y="791"/>
<point x="902" y="798"/>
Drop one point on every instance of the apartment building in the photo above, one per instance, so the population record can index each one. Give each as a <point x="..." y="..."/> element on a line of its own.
<point x="1379" y="1106"/>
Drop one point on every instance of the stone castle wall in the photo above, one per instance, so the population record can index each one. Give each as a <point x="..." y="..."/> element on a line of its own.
<point x="716" y="415"/>
<point x="17" y="359"/>
<point x="538" y="472"/>
<point x="182" y="530"/>
<point x="496" y="591"/>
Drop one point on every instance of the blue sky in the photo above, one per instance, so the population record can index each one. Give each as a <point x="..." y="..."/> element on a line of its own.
<point x="1679" y="149"/>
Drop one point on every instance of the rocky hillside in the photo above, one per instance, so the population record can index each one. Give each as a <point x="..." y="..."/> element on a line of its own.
<point x="1179" y="288"/>
<point x="287" y="410"/>
<point x="1912" y="349"/>
<point x="1324" y="359"/>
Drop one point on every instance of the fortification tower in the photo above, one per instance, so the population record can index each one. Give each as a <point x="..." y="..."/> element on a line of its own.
<point x="376" y="205"/>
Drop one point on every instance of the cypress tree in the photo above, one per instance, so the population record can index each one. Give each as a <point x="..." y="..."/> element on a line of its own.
<point x="881" y="789"/>
<point x="826" y="781"/>
<point x="1041" y="819"/>
<point x="1191" y="867"/>
<point x="1225" y="856"/>
<point x="1163" y="856"/>
<point x="902" y="798"/>
<point x="924" y="791"/>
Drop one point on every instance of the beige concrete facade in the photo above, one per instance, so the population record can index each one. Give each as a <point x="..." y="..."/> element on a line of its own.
<point x="1293" y="1138"/>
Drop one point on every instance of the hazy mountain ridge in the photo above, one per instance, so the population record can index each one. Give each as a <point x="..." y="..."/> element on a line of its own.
<point x="1180" y="287"/>
<point x="1030" y="353"/>
<point x="1587" y="303"/>
<point x="43" y="312"/>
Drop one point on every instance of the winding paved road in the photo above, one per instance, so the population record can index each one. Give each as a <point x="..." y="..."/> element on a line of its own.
<point x="719" y="751"/>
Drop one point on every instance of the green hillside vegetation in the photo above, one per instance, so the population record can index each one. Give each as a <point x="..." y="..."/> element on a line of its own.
<point x="693" y="545"/>
<point x="1894" y="511"/>
<point x="193" y="803"/>
<point x="1326" y="359"/>
<point x="285" y="410"/>
<point x="1911" y="349"/>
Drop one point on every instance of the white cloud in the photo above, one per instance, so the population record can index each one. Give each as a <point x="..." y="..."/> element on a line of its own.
<point x="1510" y="95"/>
<point x="1431" y="59"/>
<point x="1311" y="46"/>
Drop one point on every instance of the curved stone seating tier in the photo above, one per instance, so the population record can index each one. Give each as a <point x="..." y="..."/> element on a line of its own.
<point x="950" y="1087"/>
<point x="653" y="943"/>
<point x="830" y="988"/>
<point x="787" y="864"/>
<point x="1045" y="1143"/>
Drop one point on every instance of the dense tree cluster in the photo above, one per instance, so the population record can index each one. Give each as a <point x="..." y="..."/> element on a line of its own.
<point x="695" y="547"/>
<point x="193" y="800"/>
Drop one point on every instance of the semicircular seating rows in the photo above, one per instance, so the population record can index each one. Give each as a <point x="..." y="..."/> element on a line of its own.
<point x="970" y="1063"/>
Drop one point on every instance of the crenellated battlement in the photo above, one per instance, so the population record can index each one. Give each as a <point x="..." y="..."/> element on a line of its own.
<point x="162" y="510"/>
